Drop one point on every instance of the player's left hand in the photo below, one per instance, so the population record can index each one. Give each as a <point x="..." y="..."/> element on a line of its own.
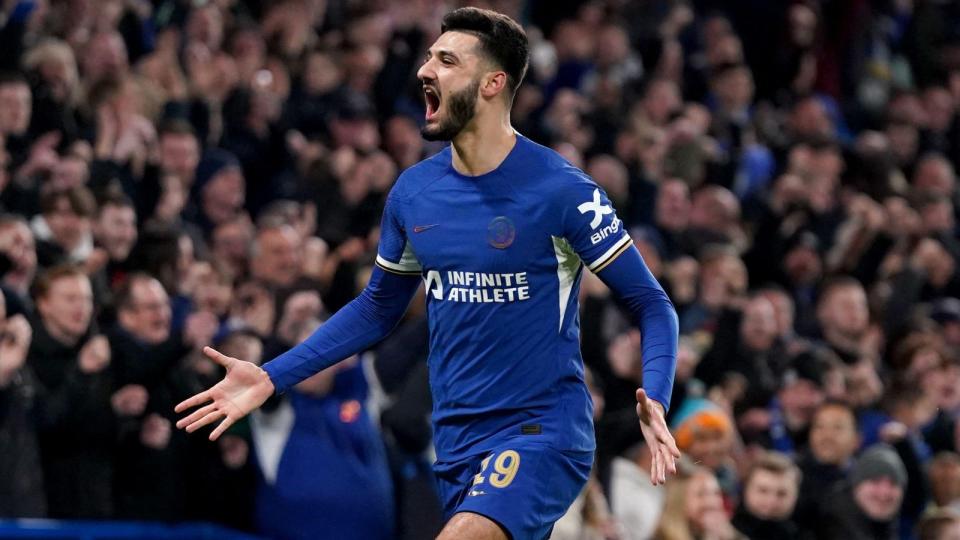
<point x="659" y="439"/>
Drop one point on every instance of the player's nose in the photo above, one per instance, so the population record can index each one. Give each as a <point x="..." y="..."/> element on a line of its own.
<point x="426" y="73"/>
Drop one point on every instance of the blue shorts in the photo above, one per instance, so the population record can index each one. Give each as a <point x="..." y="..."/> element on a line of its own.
<point x="524" y="487"/>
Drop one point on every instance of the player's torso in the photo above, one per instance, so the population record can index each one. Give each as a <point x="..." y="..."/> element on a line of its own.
<point x="481" y="241"/>
<point x="500" y="353"/>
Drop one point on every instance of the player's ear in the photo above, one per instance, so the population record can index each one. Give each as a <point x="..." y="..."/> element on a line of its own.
<point x="493" y="83"/>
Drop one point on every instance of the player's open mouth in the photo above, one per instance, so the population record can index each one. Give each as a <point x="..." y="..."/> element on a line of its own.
<point x="432" y="98"/>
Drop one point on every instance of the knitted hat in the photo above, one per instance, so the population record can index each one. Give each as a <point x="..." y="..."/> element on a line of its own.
<point x="697" y="416"/>
<point x="879" y="461"/>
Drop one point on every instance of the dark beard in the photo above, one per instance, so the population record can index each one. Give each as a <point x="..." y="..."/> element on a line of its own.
<point x="460" y="110"/>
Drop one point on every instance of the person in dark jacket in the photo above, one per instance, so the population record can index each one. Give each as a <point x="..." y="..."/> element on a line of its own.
<point x="834" y="440"/>
<point x="868" y="506"/>
<point x="79" y="407"/>
<point x="769" y="497"/>
<point x="21" y="492"/>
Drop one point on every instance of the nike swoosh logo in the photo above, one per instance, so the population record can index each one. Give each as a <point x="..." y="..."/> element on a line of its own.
<point x="421" y="228"/>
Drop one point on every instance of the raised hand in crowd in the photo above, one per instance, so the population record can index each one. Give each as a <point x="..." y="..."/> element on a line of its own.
<point x="94" y="356"/>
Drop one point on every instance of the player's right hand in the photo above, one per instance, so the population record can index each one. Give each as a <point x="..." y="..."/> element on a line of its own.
<point x="243" y="389"/>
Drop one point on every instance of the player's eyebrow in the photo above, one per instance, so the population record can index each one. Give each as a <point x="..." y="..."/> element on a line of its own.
<point x="443" y="53"/>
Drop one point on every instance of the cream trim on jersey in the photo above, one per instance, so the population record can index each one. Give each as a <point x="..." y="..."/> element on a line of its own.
<point x="568" y="263"/>
<point x="408" y="263"/>
<point x="610" y="254"/>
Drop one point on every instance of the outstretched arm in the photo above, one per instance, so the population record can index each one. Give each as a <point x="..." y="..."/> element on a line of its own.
<point x="631" y="281"/>
<point x="358" y="325"/>
<point x="361" y="323"/>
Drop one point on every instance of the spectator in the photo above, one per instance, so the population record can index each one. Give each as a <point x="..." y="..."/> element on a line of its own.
<point x="834" y="441"/>
<point x="868" y="505"/>
<point x="63" y="229"/>
<point x="694" y="508"/>
<point x="769" y="498"/>
<point x="323" y="416"/>
<point x="81" y="407"/>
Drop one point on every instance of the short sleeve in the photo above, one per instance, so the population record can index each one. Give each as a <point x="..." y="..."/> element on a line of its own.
<point x="590" y="223"/>
<point x="394" y="253"/>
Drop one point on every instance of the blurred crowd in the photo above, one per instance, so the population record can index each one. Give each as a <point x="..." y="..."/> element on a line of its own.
<point x="181" y="173"/>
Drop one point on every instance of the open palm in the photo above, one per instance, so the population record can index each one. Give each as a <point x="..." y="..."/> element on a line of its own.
<point x="243" y="389"/>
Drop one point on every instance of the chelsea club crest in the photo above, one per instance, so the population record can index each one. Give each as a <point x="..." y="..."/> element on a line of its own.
<point x="501" y="232"/>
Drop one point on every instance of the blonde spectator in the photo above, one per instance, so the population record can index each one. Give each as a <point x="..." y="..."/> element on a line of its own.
<point x="694" y="509"/>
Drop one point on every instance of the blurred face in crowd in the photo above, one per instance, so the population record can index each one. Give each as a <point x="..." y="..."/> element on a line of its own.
<point x="69" y="172"/>
<point x="104" y="56"/>
<point x="147" y="317"/>
<point x="17" y="243"/>
<point x="673" y="205"/>
<point x="179" y="155"/>
<point x="784" y="310"/>
<point x="758" y="328"/>
<point x="451" y="78"/>
<point x="116" y="230"/>
<point x="213" y="291"/>
<point x="771" y="495"/>
<point x="845" y="311"/>
<point x="711" y="448"/>
<point x="231" y="241"/>
<point x="223" y="196"/>
<point x="934" y="175"/>
<point x="714" y="208"/>
<point x="15" y="107"/>
<point x="878" y="498"/>
<point x="661" y="100"/>
<point x="940" y="108"/>
<point x="800" y="399"/>
<point x="833" y="435"/>
<point x="276" y="259"/>
<point x="944" y="474"/>
<point x="67" y="226"/>
<point x="205" y="25"/>
<point x="610" y="173"/>
<point x="67" y="307"/>
<point x="612" y="47"/>
<point x="809" y="119"/>
<point x="864" y="386"/>
<point x="734" y="88"/>
<point x="937" y="217"/>
<point x="321" y="74"/>
<point x="703" y="498"/>
<point x="721" y="278"/>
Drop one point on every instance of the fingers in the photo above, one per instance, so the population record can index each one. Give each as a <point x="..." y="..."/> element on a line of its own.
<point x="225" y="425"/>
<point x="207" y="419"/>
<point x="198" y="399"/>
<point x="217" y="356"/>
<point x="198" y="414"/>
<point x="657" y="468"/>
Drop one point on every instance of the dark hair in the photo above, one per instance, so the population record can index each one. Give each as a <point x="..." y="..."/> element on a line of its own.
<point x="80" y="198"/>
<point x="501" y="39"/>
<point x="123" y="295"/>
<point x="44" y="282"/>
<point x="114" y="197"/>
<point x="176" y="126"/>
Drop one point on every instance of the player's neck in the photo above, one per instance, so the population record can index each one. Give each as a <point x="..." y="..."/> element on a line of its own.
<point x="483" y="145"/>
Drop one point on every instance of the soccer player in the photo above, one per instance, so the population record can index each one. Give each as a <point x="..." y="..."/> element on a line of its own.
<point x="499" y="229"/>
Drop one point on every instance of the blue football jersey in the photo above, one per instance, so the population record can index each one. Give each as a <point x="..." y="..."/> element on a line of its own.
<point x="501" y="256"/>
